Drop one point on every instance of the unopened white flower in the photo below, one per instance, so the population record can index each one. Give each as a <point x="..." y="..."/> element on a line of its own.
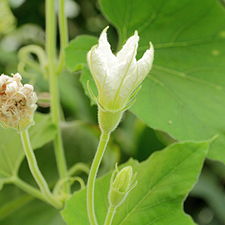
<point x="119" y="76"/>
<point x="17" y="102"/>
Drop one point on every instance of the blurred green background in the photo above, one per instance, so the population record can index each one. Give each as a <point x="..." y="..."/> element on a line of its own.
<point x="22" y="22"/>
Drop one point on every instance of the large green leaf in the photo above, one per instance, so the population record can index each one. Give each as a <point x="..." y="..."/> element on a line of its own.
<point x="163" y="183"/>
<point x="11" y="148"/>
<point x="184" y="95"/>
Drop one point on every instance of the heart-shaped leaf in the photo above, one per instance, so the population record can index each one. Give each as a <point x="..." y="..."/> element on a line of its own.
<point x="164" y="181"/>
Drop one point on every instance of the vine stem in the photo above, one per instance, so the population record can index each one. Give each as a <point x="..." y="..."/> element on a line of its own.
<point x="79" y="167"/>
<point x="63" y="31"/>
<point x="54" y="90"/>
<point x="110" y="214"/>
<point x="28" y="188"/>
<point x="32" y="162"/>
<point x="104" y="138"/>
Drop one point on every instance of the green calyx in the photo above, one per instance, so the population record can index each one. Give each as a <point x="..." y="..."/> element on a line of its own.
<point x="108" y="121"/>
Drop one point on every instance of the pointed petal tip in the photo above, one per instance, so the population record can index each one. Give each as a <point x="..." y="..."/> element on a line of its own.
<point x="136" y="36"/>
<point x="105" y="29"/>
<point x="151" y="47"/>
<point x="103" y="39"/>
<point x="148" y="55"/>
<point x="133" y="40"/>
<point x="150" y="44"/>
<point x="150" y="50"/>
<point x="103" y="34"/>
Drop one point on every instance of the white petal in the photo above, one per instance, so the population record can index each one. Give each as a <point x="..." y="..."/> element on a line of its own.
<point x="144" y="64"/>
<point x="96" y="66"/>
<point x="103" y="65"/>
<point x="129" y="49"/>
<point x="118" y="76"/>
<point x="104" y="49"/>
<point x="129" y="84"/>
<point x="101" y="60"/>
<point x="138" y="73"/>
<point x="126" y="66"/>
<point x="11" y="87"/>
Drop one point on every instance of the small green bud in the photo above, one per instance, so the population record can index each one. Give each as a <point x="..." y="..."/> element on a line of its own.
<point x="123" y="179"/>
<point x="122" y="182"/>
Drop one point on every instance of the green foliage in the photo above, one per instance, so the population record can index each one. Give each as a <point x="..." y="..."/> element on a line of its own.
<point x="184" y="94"/>
<point x="182" y="99"/>
<point x="28" y="206"/>
<point x="39" y="213"/>
<point x="76" y="53"/>
<point x="43" y="131"/>
<point x="159" y="194"/>
<point x="11" y="148"/>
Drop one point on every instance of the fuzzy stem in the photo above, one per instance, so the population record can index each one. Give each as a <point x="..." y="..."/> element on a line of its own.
<point x="32" y="162"/>
<point x="54" y="90"/>
<point x="110" y="214"/>
<point x="92" y="177"/>
<point x="79" y="167"/>
<point x="63" y="31"/>
<point x="28" y="188"/>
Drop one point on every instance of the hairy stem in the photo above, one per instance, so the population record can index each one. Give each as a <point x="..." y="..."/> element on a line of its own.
<point x="63" y="31"/>
<point x="92" y="177"/>
<point x="110" y="214"/>
<point x="32" y="162"/>
<point x="54" y="90"/>
<point x="79" y="167"/>
<point x="28" y="188"/>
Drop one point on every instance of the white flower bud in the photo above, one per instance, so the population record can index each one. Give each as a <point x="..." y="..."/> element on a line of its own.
<point x="118" y="77"/>
<point x="17" y="102"/>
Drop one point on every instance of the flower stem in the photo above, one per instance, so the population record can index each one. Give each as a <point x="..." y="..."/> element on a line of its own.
<point x="110" y="214"/>
<point x="54" y="91"/>
<point x="28" y="188"/>
<point x="63" y="31"/>
<point x="32" y="162"/>
<point x="92" y="177"/>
